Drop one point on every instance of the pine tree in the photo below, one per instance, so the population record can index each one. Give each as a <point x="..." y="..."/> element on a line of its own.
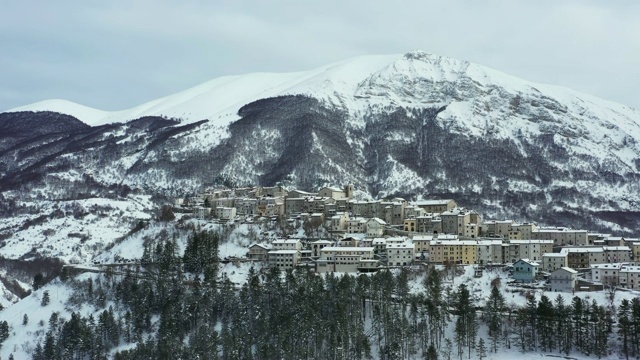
<point x="448" y="349"/>
<point x="432" y="354"/>
<point x="25" y="319"/>
<point x="45" y="298"/>
<point x="4" y="331"/>
<point x="634" y="334"/>
<point x="493" y="316"/>
<point x="481" y="349"/>
<point x="546" y="317"/>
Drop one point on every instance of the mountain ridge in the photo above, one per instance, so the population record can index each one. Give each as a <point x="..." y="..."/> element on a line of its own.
<point x="262" y="85"/>
<point x="416" y="125"/>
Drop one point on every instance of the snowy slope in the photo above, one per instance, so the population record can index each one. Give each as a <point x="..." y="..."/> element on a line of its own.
<point x="220" y="99"/>
<point x="416" y="124"/>
<point x="409" y="79"/>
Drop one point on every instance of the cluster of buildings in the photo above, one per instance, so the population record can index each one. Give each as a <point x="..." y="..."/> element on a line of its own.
<point x="366" y="235"/>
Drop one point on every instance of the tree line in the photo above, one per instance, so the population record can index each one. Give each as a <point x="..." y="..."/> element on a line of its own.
<point x="178" y="306"/>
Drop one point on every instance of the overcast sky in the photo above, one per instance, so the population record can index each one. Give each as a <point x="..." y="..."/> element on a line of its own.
<point x="116" y="54"/>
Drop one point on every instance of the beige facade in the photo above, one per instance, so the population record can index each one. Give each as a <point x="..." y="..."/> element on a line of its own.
<point x="561" y="236"/>
<point x="489" y="252"/>
<point x="436" y="206"/>
<point x="294" y="205"/>
<point x="332" y="192"/>
<point x="617" y="254"/>
<point x="410" y="225"/>
<point x="421" y="243"/>
<point x="286" y="244"/>
<point x="630" y="277"/>
<point x="503" y="228"/>
<point x="429" y="223"/>
<point x="554" y="261"/>
<point x="453" y="251"/>
<point x="471" y="230"/>
<point x="584" y="257"/>
<point x="225" y="213"/>
<point x="454" y="221"/>
<point x="529" y="249"/>
<point x="270" y="206"/>
<point x="357" y="225"/>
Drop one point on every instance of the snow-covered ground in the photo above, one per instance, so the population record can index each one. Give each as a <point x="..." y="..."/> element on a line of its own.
<point x="52" y="231"/>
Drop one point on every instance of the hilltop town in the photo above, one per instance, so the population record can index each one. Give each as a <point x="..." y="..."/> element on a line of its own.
<point x="343" y="234"/>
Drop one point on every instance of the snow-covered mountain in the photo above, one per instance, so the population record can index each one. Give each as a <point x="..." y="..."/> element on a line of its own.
<point x="415" y="125"/>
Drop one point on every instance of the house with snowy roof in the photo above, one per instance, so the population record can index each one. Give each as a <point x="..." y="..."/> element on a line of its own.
<point x="554" y="261"/>
<point x="258" y="252"/>
<point x="346" y="259"/>
<point x="332" y="192"/>
<point x="375" y="227"/>
<point x="607" y="274"/>
<point x="400" y="254"/>
<point x="629" y="277"/>
<point x="525" y="270"/>
<point x="436" y="206"/>
<point x="562" y="280"/>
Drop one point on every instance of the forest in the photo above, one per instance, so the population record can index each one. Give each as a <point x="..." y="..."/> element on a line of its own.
<point x="177" y="306"/>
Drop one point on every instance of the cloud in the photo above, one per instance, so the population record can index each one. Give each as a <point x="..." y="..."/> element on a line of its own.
<point x="118" y="54"/>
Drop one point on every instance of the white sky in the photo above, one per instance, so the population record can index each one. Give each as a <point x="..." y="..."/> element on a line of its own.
<point x="117" y="54"/>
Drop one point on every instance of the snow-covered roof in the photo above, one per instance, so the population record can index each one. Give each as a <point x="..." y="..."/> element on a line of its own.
<point x="283" y="252"/>
<point x="346" y="248"/>
<point x="616" y="248"/>
<point x="332" y="188"/>
<point x="522" y="242"/>
<point x="400" y="245"/>
<point x="554" y="255"/>
<point x="321" y="242"/>
<point x="567" y="269"/>
<point x="264" y="246"/>
<point x="432" y="202"/>
<point x="630" y="269"/>
<point x="423" y="238"/>
<point x="378" y="220"/>
<point x="530" y="262"/>
<point x="285" y="241"/>
<point x="452" y="242"/>
<point x="613" y="266"/>
<point x="581" y="250"/>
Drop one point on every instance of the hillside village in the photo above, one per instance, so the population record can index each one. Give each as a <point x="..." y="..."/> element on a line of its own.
<point x="366" y="235"/>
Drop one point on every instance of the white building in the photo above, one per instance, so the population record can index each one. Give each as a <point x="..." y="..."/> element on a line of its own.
<point x="421" y="243"/>
<point x="630" y="277"/>
<point x="489" y="251"/>
<point x="553" y="261"/>
<point x="287" y="244"/>
<point x="225" y="213"/>
<point x="339" y="222"/>
<point x="607" y="274"/>
<point x="375" y="227"/>
<point x="562" y="280"/>
<point x="357" y="225"/>
<point x="284" y="259"/>
<point x="346" y="259"/>
<point x="400" y="254"/>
